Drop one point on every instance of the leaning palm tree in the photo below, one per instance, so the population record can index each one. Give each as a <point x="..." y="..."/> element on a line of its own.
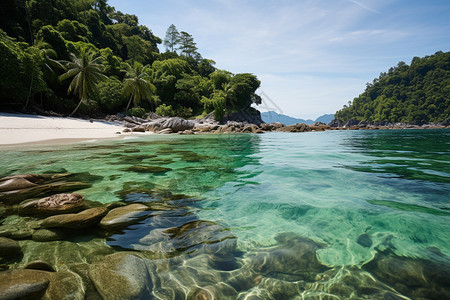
<point x="86" y="71"/>
<point x="137" y="84"/>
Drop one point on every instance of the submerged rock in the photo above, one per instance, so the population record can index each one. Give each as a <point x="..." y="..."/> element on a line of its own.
<point x="56" y="204"/>
<point x="21" y="233"/>
<point x="124" y="216"/>
<point x="65" y="285"/>
<point x="148" y="169"/>
<point x="15" y="183"/>
<point x="294" y="259"/>
<point x="40" y="265"/>
<point x="416" y="278"/>
<point x="9" y="248"/>
<point x="365" y="240"/>
<point x="23" y="284"/>
<point x="14" y="197"/>
<point x="206" y="236"/>
<point x="17" y="188"/>
<point x="80" y="220"/>
<point x="48" y="235"/>
<point x="122" y="276"/>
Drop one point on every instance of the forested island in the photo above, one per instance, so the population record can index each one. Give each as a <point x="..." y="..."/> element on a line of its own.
<point x="85" y="58"/>
<point x="418" y="93"/>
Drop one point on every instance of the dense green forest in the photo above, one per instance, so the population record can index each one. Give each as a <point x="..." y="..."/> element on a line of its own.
<point x="84" y="57"/>
<point x="418" y="93"/>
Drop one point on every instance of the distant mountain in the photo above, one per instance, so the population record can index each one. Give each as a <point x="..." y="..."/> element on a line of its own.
<point x="271" y="116"/>
<point x="325" y="118"/>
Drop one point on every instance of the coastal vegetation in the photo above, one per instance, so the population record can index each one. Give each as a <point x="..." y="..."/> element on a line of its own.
<point x="43" y="43"/>
<point x="416" y="93"/>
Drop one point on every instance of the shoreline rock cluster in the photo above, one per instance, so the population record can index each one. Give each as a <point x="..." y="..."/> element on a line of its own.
<point x="355" y="125"/>
<point x="178" y="125"/>
<point x="171" y="125"/>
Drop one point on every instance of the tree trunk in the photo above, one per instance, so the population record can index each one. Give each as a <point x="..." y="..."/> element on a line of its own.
<point x="29" y="92"/>
<point x="76" y="108"/>
<point x="129" y="102"/>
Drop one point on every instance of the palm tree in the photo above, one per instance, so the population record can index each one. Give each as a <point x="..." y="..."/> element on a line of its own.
<point x="45" y="53"/>
<point x="229" y="93"/>
<point x="86" y="72"/>
<point x="137" y="84"/>
<point x="48" y="54"/>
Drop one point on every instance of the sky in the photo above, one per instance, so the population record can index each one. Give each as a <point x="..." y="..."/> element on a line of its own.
<point x="312" y="56"/>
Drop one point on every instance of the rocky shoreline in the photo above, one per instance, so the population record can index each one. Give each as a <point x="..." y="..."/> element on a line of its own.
<point x="54" y="245"/>
<point x="175" y="125"/>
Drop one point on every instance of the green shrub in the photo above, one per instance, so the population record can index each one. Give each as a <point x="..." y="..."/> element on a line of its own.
<point x="137" y="112"/>
<point x="110" y="97"/>
<point x="164" y="110"/>
<point x="184" y="112"/>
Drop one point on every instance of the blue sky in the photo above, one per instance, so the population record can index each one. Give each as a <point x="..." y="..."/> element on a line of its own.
<point x="312" y="56"/>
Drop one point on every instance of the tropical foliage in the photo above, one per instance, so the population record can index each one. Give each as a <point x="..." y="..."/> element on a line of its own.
<point x="137" y="85"/>
<point x="112" y="63"/>
<point x="418" y="93"/>
<point x="86" y="73"/>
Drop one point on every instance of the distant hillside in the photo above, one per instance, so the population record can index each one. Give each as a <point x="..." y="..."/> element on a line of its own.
<point x="417" y="94"/>
<point x="271" y="116"/>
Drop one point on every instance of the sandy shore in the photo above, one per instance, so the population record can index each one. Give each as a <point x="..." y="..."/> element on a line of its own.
<point x="21" y="129"/>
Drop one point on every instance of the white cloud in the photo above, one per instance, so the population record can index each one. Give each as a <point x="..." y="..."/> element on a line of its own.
<point x="364" y="6"/>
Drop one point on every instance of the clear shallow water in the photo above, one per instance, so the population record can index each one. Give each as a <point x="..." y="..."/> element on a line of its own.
<point x="354" y="193"/>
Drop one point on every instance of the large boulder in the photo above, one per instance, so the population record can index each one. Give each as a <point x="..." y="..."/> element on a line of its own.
<point x="121" y="217"/>
<point x="9" y="248"/>
<point x="56" y="204"/>
<point x="122" y="276"/>
<point x="84" y="219"/>
<point x="249" y="115"/>
<point x="152" y="126"/>
<point x="178" y="124"/>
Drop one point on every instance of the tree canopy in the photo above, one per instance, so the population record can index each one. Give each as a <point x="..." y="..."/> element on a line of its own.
<point x="110" y="58"/>
<point x="416" y="93"/>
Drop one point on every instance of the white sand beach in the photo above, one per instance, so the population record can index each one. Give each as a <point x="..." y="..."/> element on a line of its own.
<point x="22" y="128"/>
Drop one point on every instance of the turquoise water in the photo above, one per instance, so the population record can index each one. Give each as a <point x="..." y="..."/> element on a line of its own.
<point x="355" y="194"/>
